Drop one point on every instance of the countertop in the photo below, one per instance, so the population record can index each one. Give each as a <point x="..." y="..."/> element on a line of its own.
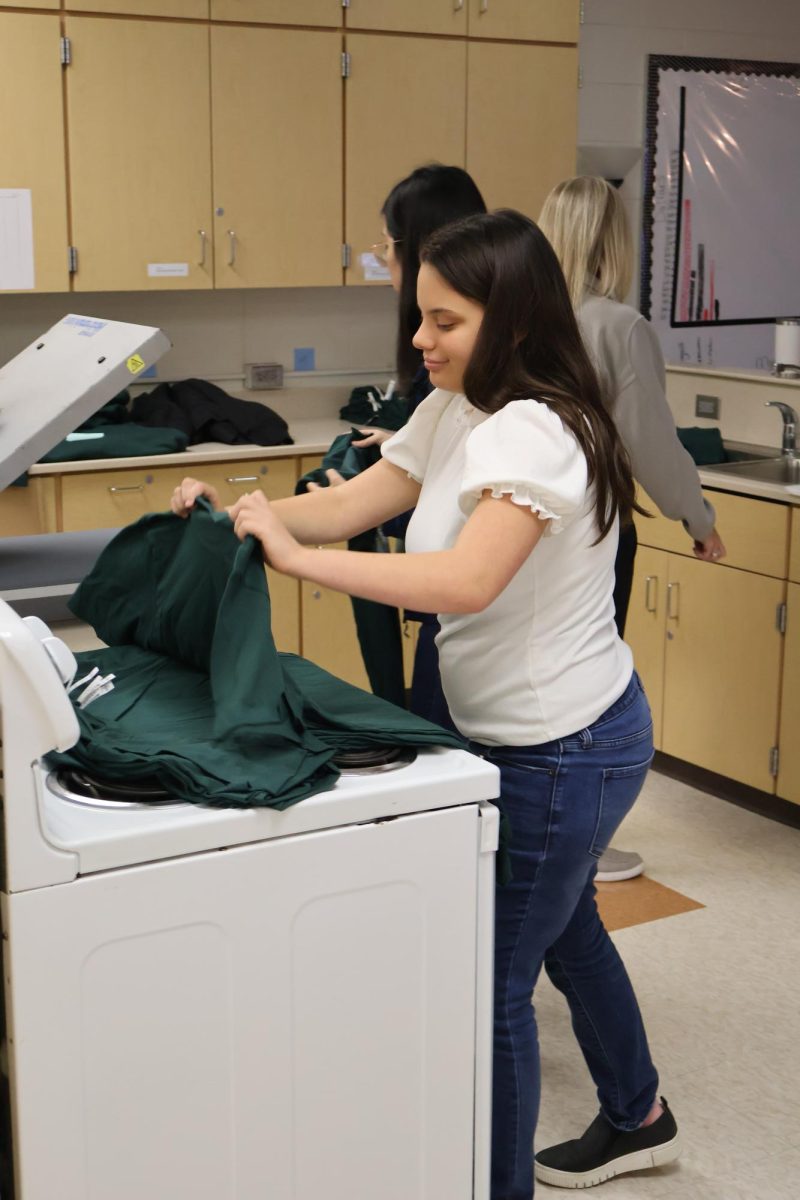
<point x="314" y="436"/>
<point x="734" y="373"/>
<point x="311" y="436"/>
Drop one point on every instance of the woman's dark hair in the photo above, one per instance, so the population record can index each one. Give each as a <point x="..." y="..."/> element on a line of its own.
<point x="529" y="345"/>
<point x="418" y="205"/>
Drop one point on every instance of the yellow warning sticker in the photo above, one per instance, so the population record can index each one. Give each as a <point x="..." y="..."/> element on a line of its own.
<point x="135" y="364"/>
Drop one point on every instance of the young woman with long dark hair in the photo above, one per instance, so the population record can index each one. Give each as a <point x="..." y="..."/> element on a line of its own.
<point x="517" y="477"/>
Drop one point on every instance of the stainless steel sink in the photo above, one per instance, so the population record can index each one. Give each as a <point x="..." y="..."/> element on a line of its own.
<point x="782" y="470"/>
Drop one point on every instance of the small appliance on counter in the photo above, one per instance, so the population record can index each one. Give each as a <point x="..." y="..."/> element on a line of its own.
<point x="49" y="389"/>
<point x="787" y="347"/>
<point x="223" y="1003"/>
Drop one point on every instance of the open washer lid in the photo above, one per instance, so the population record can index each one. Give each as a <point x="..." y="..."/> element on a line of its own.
<point x="62" y="378"/>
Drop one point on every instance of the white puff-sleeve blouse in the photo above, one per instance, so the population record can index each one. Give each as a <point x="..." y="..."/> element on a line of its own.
<point x="525" y="451"/>
<point x="544" y="659"/>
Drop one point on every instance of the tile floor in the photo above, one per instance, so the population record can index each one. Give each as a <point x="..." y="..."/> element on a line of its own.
<point x="720" y="991"/>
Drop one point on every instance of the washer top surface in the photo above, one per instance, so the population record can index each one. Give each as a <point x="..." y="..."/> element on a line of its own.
<point x="107" y="838"/>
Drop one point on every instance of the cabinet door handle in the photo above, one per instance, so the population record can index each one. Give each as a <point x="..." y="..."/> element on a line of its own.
<point x="201" y="233"/>
<point x="134" y="487"/>
<point x="241" y="479"/>
<point x="651" y="593"/>
<point x="484" y="6"/>
<point x="232" y="259"/>
<point x="458" y="5"/>
<point x="673" y="600"/>
<point x="316" y="595"/>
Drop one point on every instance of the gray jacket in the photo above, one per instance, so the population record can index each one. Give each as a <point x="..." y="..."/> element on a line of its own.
<point x="627" y="354"/>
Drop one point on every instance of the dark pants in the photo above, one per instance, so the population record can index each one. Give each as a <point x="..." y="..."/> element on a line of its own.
<point x="623" y="571"/>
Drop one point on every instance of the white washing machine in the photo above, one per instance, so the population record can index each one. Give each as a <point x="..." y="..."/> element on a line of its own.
<point x="212" y="1004"/>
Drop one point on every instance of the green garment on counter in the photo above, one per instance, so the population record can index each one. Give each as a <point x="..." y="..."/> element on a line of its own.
<point x="704" y="445"/>
<point x="118" y="441"/>
<point x="366" y="406"/>
<point x="203" y="704"/>
<point x="120" y="437"/>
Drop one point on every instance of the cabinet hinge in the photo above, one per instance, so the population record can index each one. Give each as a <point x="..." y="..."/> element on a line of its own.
<point x="345" y="64"/>
<point x="345" y="3"/>
<point x="72" y="259"/>
<point x="66" y="52"/>
<point x="580" y="77"/>
<point x="582" y="13"/>
<point x="774" y="761"/>
<point x="345" y="255"/>
<point x="780" y="618"/>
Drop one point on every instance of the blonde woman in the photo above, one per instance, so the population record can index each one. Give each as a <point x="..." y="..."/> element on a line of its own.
<point x="586" y="223"/>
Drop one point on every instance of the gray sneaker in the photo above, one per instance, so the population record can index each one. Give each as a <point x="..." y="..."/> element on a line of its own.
<point x="615" y="865"/>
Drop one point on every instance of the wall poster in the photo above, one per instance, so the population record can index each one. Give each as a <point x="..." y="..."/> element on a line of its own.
<point x="721" y="212"/>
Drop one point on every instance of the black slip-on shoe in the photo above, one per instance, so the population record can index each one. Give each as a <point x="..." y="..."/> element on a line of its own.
<point x="604" y="1152"/>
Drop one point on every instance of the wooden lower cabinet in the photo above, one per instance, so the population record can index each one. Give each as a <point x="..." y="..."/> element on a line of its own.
<point x="789" y="744"/>
<point x="722" y="669"/>
<point x="107" y="499"/>
<point x="30" y="509"/>
<point x="706" y="642"/>
<point x="644" y="628"/>
<point x="329" y="636"/>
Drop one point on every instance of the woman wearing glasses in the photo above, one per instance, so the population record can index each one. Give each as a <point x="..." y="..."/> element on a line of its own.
<point x="428" y="198"/>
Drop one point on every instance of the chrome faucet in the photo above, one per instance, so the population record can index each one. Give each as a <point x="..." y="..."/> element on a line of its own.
<point x="788" y="448"/>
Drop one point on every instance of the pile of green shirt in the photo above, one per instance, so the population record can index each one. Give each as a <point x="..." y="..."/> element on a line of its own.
<point x="203" y="704"/>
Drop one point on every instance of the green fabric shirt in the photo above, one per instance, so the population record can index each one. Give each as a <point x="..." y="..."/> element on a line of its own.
<point x="203" y="704"/>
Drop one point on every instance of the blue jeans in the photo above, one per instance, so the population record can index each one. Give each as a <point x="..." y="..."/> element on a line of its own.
<point x="564" y="800"/>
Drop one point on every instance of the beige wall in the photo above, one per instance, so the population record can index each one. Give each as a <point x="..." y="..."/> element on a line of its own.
<point x="743" y="415"/>
<point x="215" y="333"/>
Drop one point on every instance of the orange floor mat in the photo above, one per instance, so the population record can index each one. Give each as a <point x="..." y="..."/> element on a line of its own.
<point x="636" y="901"/>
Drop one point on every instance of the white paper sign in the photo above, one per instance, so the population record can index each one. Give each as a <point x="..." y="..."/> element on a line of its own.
<point x="16" y="240"/>
<point x="374" y="271"/>
<point x="162" y="270"/>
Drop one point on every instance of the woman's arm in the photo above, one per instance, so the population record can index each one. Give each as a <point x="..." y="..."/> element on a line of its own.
<point x="328" y="514"/>
<point x="490" y="549"/>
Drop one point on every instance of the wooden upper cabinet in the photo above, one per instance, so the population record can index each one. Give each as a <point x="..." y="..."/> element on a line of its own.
<point x="390" y="130"/>
<point x="279" y="12"/>
<point x="29" y="4"/>
<point x="32" y="142"/>
<point x="522" y="118"/>
<point x="525" y="20"/>
<point x="143" y="8"/>
<point x="409" y="16"/>
<point x="140" y="154"/>
<point x="277" y="134"/>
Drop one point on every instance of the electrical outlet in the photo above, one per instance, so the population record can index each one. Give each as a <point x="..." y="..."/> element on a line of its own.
<point x="707" y="406"/>
<point x="260" y="376"/>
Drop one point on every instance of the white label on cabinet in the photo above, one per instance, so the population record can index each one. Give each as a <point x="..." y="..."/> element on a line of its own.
<point x="374" y="270"/>
<point x="16" y="239"/>
<point x="159" y="270"/>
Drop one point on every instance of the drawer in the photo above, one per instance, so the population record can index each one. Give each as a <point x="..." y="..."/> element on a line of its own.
<point x="107" y="499"/>
<point x="104" y="499"/>
<point x="755" y="532"/>
<point x="27" y="510"/>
